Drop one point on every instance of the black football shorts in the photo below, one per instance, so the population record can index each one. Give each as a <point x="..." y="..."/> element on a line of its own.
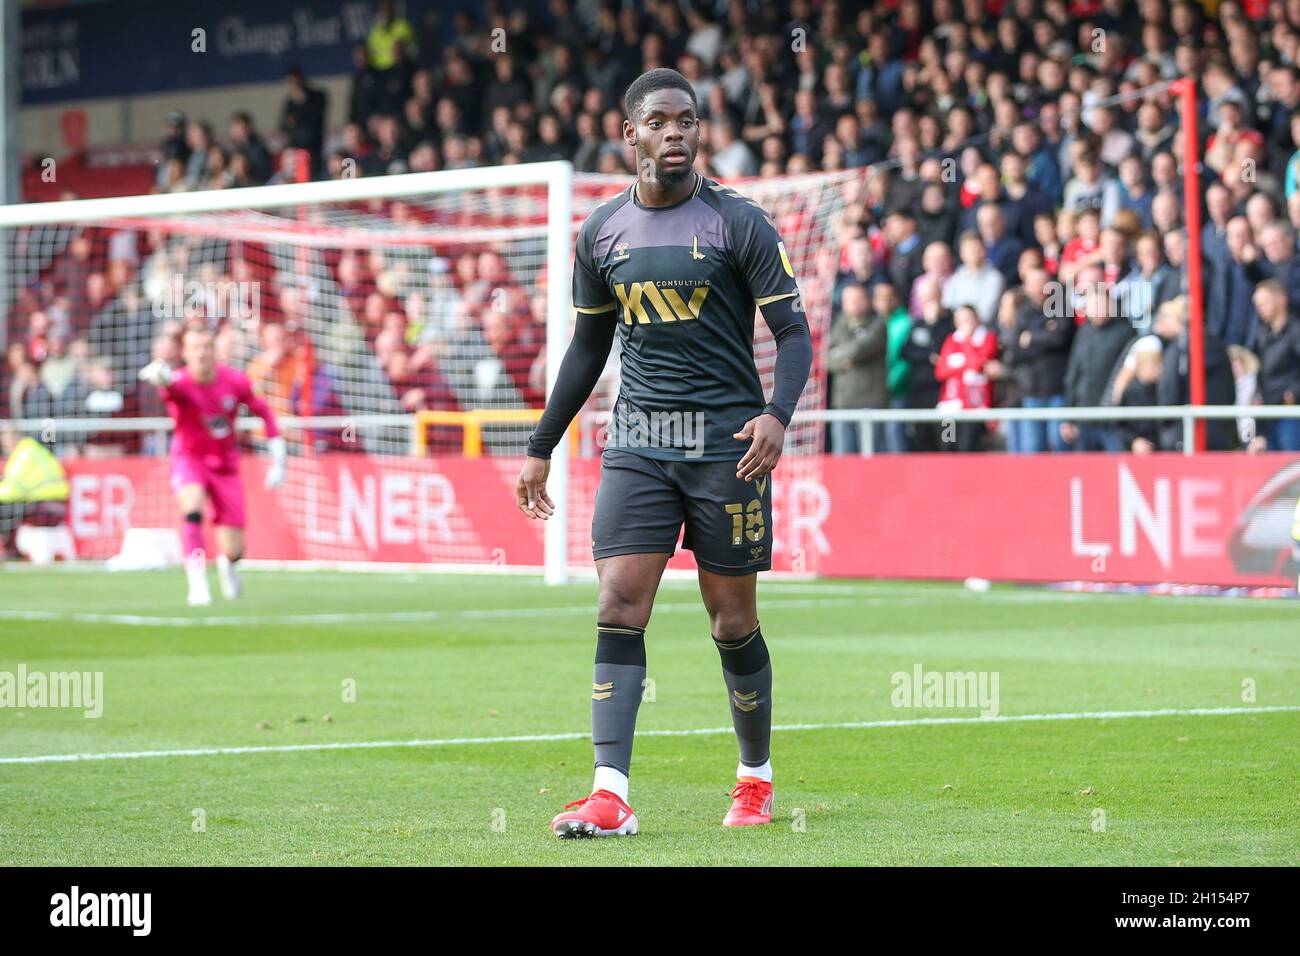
<point x="642" y="502"/>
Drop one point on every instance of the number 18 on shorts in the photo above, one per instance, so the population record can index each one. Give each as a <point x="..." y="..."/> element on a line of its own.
<point x="642" y="504"/>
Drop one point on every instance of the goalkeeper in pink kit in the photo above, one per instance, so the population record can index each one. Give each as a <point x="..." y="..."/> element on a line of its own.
<point x="203" y="399"/>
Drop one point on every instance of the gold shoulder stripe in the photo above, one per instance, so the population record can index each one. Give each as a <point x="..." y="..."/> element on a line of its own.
<point x="773" y="298"/>
<point x="608" y="307"/>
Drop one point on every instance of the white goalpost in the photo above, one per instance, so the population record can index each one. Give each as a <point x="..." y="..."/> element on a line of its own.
<point x="556" y="178"/>
<point x="388" y="320"/>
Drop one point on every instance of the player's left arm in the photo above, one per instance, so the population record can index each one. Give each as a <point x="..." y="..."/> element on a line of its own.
<point x="761" y="257"/>
<point x="274" y="440"/>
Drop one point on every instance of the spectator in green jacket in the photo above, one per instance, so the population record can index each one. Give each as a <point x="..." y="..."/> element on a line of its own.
<point x="885" y="299"/>
<point x="390" y="39"/>
<point x="33" y="487"/>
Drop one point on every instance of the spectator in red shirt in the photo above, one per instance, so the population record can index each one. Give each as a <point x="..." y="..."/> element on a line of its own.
<point x="1087" y="237"/>
<point x="961" y="372"/>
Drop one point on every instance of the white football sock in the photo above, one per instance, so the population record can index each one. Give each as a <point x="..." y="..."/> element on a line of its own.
<point x="232" y="586"/>
<point x="762" y="773"/>
<point x="615" y="781"/>
<point x="196" y="573"/>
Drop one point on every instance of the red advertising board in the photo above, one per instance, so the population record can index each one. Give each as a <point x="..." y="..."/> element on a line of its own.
<point x="1210" y="519"/>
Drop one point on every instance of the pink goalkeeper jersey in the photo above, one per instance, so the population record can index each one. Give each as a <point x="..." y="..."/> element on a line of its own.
<point x="205" y="416"/>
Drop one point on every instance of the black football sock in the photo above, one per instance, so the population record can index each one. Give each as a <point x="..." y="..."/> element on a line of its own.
<point x="616" y="686"/>
<point x="748" y="673"/>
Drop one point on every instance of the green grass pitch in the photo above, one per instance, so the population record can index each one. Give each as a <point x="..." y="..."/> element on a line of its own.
<point x="461" y="662"/>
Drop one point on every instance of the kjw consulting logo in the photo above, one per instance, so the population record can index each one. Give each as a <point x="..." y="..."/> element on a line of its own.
<point x="103" y="909"/>
<point x="72" y="690"/>
<point x="946" y="689"/>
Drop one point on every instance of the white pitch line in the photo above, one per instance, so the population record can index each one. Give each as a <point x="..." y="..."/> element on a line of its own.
<point x="869" y="597"/>
<point x="144" y="620"/>
<point x="703" y="732"/>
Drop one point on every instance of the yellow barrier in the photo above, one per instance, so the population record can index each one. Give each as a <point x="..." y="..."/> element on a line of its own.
<point x="471" y="423"/>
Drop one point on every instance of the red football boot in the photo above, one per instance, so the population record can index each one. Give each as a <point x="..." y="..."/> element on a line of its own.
<point x="751" y="803"/>
<point x="599" y="815"/>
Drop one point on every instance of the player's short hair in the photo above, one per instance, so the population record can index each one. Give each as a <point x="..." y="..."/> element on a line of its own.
<point x="652" y="81"/>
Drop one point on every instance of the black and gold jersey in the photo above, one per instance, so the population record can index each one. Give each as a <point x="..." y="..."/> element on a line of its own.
<point x="682" y="283"/>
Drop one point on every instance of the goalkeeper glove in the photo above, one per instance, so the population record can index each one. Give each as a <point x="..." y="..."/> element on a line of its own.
<point x="157" y="372"/>
<point x="275" y="474"/>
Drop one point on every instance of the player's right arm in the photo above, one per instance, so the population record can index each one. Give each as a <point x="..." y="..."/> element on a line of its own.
<point x="158" y="372"/>
<point x="584" y="360"/>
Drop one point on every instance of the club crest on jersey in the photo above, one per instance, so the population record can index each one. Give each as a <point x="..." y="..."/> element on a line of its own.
<point x="219" y="426"/>
<point x="665" y="302"/>
<point x="228" y="402"/>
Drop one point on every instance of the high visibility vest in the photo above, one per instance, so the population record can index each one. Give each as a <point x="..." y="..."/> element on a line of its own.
<point x="381" y="44"/>
<point x="32" y="473"/>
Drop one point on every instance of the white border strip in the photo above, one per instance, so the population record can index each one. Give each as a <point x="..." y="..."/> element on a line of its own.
<point x="705" y="732"/>
<point x="363" y="617"/>
<point x="776" y="600"/>
<point x="286" y="194"/>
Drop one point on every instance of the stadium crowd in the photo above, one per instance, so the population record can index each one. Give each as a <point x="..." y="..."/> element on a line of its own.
<point x="1019" y="240"/>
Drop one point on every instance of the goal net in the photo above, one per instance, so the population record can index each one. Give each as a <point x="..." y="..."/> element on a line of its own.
<point x="404" y="329"/>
